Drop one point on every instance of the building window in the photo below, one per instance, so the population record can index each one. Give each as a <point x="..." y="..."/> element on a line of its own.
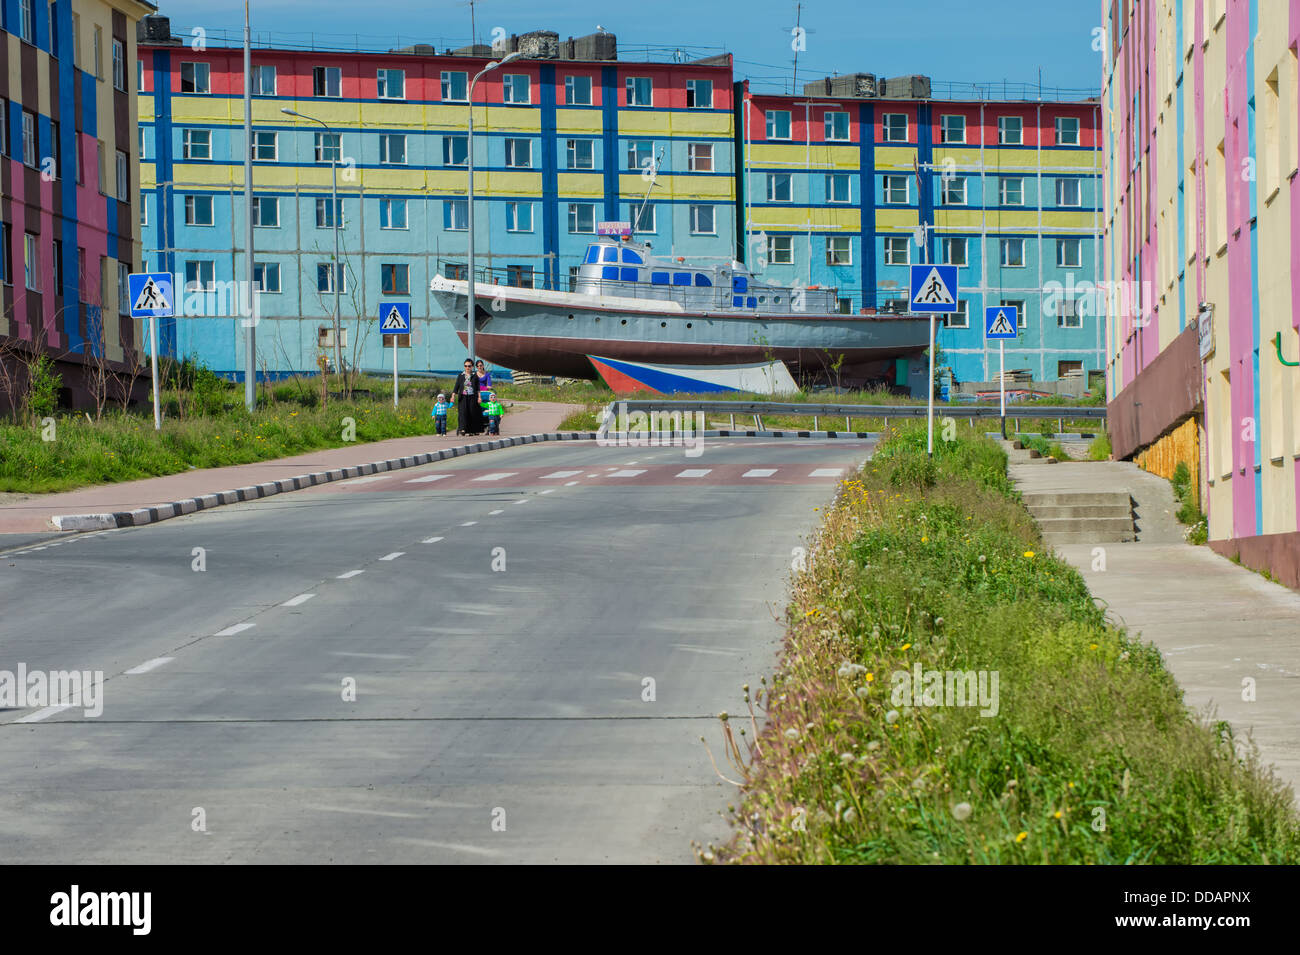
<point x="577" y="91"/>
<point x="267" y="276"/>
<point x="195" y="77"/>
<point x="329" y="147"/>
<point x="139" y="76"/>
<point x="897" y="190"/>
<point x="327" y="81"/>
<point x="123" y="178"/>
<point x="455" y="150"/>
<point x="953" y="251"/>
<point x="392" y="149"/>
<point x="395" y="278"/>
<point x="699" y="94"/>
<point x="520" y="276"/>
<point x="778" y="187"/>
<point x="1010" y="131"/>
<point x="325" y="211"/>
<point x="778" y="124"/>
<point x="699" y="157"/>
<point x="515" y="89"/>
<point x="519" y="153"/>
<point x="264" y="85"/>
<point x="4" y="127"/>
<point x="952" y="129"/>
<point x="54" y="28"/>
<point x="123" y="288"/>
<point x="1067" y="130"/>
<point x="326" y="273"/>
<point x="580" y="154"/>
<point x="1011" y="191"/>
<point x="58" y="268"/>
<point x="837" y="126"/>
<point x="1019" y="305"/>
<point x="898" y="250"/>
<point x="390" y="84"/>
<point x="519" y="217"/>
<point x="392" y="213"/>
<point x="198" y="210"/>
<point x="640" y="91"/>
<point x="644" y="220"/>
<point x="640" y="154"/>
<point x="1013" y="253"/>
<point x="1067" y="314"/>
<point x="893" y="127"/>
<point x="453" y="86"/>
<point x="101" y="164"/>
<point x="196" y="144"/>
<point x="119" y="66"/>
<point x="6" y="253"/>
<point x="1069" y="369"/>
<point x="144" y="209"/>
<point x="954" y="191"/>
<point x="266" y="146"/>
<point x="29" y="139"/>
<point x="76" y="41"/>
<point x="1068" y="192"/>
<point x="839" y="250"/>
<point x="780" y="250"/>
<point x="266" y="211"/>
<point x="702" y="220"/>
<point x="1069" y="253"/>
<point x="838" y="188"/>
<point x="27" y="21"/>
<point x="31" y="267"/>
<point x="582" y="218"/>
<point x="455" y="215"/>
<point x="200" y="274"/>
<point x="99" y="53"/>
<point x="961" y="317"/>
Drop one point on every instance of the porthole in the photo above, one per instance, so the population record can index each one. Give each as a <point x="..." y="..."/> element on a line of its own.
<point x="570" y="317"/>
<point x="624" y="322"/>
<point x="663" y="324"/>
<point x="688" y="324"/>
<point x="597" y="318"/>
<point x="776" y="299"/>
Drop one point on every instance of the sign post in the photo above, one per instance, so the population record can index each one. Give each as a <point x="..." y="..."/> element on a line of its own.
<point x="152" y="296"/>
<point x="1000" y="322"/>
<point x="394" y="320"/>
<point x="933" y="290"/>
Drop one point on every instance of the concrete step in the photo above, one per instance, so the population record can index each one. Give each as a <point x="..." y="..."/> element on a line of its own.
<point x="1085" y="537"/>
<point x="1044" y="512"/>
<point x="1097" y="528"/>
<point x="1076" y="498"/>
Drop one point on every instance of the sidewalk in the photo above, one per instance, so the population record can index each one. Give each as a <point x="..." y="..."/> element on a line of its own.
<point x="1216" y="623"/>
<point x="23" y="520"/>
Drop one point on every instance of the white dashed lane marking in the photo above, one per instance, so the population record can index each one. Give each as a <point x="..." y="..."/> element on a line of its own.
<point x="394" y="555"/>
<point x="827" y="472"/>
<point x="570" y="483"/>
<point x="298" y="600"/>
<point x="42" y="713"/>
<point x="431" y="540"/>
<point x="497" y="476"/>
<point x="427" y="478"/>
<point x="694" y="472"/>
<point x="148" y="665"/>
<point x="496" y="512"/>
<point x="232" y="630"/>
<point x="759" y="472"/>
<point x="627" y="472"/>
<point x="469" y="524"/>
<point x="559" y="475"/>
<point x="353" y="573"/>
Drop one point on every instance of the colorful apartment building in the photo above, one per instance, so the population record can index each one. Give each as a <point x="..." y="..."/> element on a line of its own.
<point x="68" y="185"/>
<point x="563" y="140"/>
<point x="833" y="189"/>
<point x="1203" y="211"/>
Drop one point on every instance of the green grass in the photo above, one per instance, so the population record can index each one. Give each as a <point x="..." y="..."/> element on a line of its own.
<point x="1099" y="449"/>
<point x="1092" y="756"/>
<point x="1048" y="449"/>
<point x="1189" y="510"/>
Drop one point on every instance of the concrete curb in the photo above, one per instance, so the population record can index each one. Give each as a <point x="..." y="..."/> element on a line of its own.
<point x="191" y="505"/>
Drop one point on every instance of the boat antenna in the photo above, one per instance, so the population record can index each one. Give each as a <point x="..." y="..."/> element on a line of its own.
<point x="654" y="177"/>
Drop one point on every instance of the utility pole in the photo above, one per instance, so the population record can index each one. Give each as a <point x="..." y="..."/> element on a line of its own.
<point x="250" y="321"/>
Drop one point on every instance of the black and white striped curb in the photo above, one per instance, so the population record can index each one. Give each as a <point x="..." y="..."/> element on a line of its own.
<point x="151" y="515"/>
<point x="644" y="438"/>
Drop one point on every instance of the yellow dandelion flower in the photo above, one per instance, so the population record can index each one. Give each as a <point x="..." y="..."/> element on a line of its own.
<point x="1092" y="646"/>
<point x="1029" y="553"/>
<point x="1057" y="814"/>
<point x="1022" y="837"/>
<point x="905" y="646"/>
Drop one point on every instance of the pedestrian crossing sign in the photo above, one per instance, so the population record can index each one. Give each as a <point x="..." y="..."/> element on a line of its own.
<point x="395" y="318"/>
<point x="934" y="288"/>
<point x="1000" y="321"/>
<point x="151" y="293"/>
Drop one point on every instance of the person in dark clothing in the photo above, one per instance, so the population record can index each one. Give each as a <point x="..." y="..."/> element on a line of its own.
<point x="469" y="416"/>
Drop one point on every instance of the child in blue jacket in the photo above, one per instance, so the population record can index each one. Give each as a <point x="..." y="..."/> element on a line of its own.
<point x="440" y="414"/>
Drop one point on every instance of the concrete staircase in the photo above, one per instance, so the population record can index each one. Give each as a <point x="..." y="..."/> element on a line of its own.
<point x="1082" y="517"/>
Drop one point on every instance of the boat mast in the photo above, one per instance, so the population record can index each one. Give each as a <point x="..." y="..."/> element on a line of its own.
<point x="654" y="177"/>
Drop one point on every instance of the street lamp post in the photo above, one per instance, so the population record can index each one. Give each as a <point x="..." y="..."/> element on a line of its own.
<point x="469" y="313"/>
<point x="334" y="216"/>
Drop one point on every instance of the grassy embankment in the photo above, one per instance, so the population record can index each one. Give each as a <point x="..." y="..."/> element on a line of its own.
<point x="1091" y="756"/>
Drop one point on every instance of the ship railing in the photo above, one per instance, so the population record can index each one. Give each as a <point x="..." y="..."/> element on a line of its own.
<point x="616" y="411"/>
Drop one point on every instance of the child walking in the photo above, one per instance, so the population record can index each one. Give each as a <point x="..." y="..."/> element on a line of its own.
<point x="440" y="414"/>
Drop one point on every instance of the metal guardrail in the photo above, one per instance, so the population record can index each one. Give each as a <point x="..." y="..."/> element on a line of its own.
<point x="756" y="409"/>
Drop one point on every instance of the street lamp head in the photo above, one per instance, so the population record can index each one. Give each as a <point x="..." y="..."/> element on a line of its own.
<point x="505" y="59"/>
<point x="285" y="109"/>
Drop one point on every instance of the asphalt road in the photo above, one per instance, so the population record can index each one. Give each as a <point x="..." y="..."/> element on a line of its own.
<point x="498" y="713"/>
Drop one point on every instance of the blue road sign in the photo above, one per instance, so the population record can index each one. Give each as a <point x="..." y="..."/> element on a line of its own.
<point x="395" y="318"/>
<point x="1000" y="321"/>
<point x="933" y="288"/>
<point x="152" y="294"/>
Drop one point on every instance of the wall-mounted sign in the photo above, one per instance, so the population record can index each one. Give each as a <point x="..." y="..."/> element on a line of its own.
<point x="1205" y="330"/>
<point x="613" y="228"/>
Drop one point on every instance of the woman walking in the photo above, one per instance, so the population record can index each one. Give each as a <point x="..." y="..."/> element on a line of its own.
<point x="469" y="416"/>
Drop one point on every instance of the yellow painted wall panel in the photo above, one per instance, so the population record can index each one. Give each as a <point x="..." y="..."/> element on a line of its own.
<point x="575" y="121"/>
<point x="663" y="124"/>
<point x="896" y="220"/>
<point x="581" y="184"/>
<point x="506" y="119"/>
<point x="895" y="157"/>
<point x="145" y="110"/>
<point x="680" y="187"/>
<point x="193" y="174"/>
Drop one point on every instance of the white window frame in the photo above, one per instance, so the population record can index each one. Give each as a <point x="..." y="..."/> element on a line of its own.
<point x="1004" y="130"/>
<point x="887" y="133"/>
<point x="510" y="89"/>
<point x="772" y="121"/>
<point x="260" y="204"/>
<point x="699" y="157"/>
<point x="329" y="71"/>
<point x="260" y="73"/>
<point x="267" y="269"/>
<point x="1063" y="246"/>
<point x="326" y="143"/>
<point x="959" y="318"/>
<point x="635" y="162"/>
<point x="200" y="266"/>
<point x="836" y="177"/>
<point x="119" y="65"/>
<point x="31" y="261"/>
<point x="949" y="243"/>
<point x="386" y="207"/>
<point x="1004" y="193"/>
<point x="783" y="255"/>
<point x="513" y="223"/>
<point x="197" y="69"/>
<point x="332" y="272"/>
<point x="577" y="212"/>
<point x="27" y="23"/>
<point x="949" y="192"/>
<point x="647" y="215"/>
<point x="893" y="245"/>
<point x="455" y="215"/>
<point x="774" y="179"/>
<point x="449" y="142"/>
<point x="634" y="98"/>
<point x="189" y="143"/>
<point x="1004" y="248"/>
<point x="1072" y="141"/>
<point x="834" y="244"/>
<point x="446" y="86"/>
<point x="573" y="150"/>
<point x="513" y="149"/>
<point x="191" y="207"/>
<point x="1061" y="198"/>
<point x="384" y="82"/>
<point x="123" y="173"/>
<point x="259" y="145"/>
<point x="696" y="211"/>
<point x="945" y="136"/>
<point x="830" y="120"/>
<point x="386" y="141"/>
<point x="30" y="145"/>
<point x="889" y="187"/>
<point x="692" y="93"/>
<point x="323" y="219"/>
<point x="571" y="89"/>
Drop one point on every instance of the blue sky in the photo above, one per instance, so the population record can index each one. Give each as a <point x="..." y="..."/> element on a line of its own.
<point x="964" y="41"/>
